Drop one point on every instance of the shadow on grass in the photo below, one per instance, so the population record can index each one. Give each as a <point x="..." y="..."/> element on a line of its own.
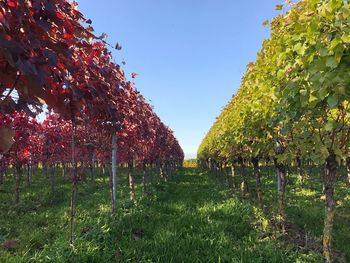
<point x="305" y="206"/>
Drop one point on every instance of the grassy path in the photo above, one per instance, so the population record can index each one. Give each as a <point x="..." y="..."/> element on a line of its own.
<point x="191" y="218"/>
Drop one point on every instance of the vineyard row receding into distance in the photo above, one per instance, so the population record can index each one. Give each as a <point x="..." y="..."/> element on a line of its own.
<point x="292" y="108"/>
<point x="102" y="172"/>
<point x="50" y="55"/>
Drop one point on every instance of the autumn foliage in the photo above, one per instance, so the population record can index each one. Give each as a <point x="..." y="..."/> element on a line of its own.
<point x="50" y="55"/>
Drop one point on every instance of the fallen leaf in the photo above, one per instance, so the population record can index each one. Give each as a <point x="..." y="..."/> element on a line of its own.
<point x="10" y="244"/>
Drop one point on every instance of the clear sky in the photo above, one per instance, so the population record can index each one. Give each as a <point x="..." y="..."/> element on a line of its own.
<point x="190" y="54"/>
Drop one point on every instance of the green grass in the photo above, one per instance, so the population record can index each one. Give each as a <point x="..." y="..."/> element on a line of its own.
<point x="192" y="218"/>
<point x="304" y="205"/>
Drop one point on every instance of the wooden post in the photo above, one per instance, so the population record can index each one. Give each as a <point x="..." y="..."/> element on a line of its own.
<point x="114" y="172"/>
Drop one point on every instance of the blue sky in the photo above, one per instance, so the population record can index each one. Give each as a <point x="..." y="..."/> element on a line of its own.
<point x="190" y="54"/>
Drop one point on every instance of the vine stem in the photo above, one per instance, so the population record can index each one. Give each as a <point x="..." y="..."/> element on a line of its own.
<point x="12" y="88"/>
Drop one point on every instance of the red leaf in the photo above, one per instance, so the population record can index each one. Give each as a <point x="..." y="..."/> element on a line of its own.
<point x="12" y="3"/>
<point x="68" y="36"/>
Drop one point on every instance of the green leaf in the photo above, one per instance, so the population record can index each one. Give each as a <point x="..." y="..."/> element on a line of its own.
<point x="341" y="90"/>
<point x="323" y="52"/>
<point x="330" y="125"/>
<point x="279" y="7"/>
<point x="303" y="92"/>
<point x="335" y="42"/>
<point x="265" y="23"/>
<point x="315" y="77"/>
<point x="313" y="99"/>
<point x="332" y="101"/>
<point x="281" y="158"/>
<point x="331" y="62"/>
<point x="322" y="93"/>
<point x="346" y="39"/>
<point x="300" y="49"/>
<point x="339" y="53"/>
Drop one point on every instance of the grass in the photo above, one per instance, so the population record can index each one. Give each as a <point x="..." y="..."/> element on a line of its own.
<point x="194" y="217"/>
<point x="305" y="205"/>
